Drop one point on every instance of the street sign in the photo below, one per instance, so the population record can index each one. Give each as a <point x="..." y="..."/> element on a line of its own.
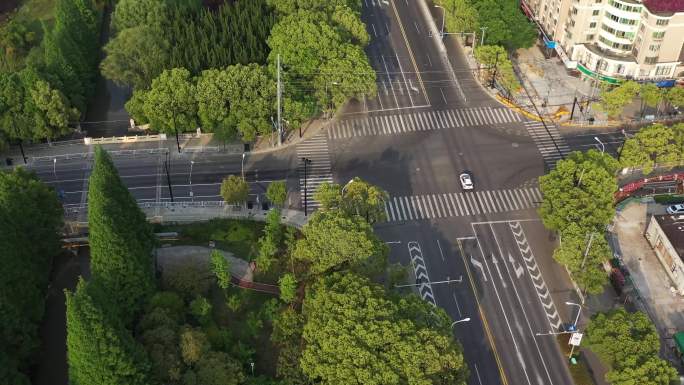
<point x="575" y="339"/>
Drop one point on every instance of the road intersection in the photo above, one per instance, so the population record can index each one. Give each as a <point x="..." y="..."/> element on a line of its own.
<point x="429" y="121"/>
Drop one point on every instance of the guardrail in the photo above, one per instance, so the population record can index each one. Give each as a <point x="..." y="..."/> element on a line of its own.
<point x="124" y="139"/>
<point x="90" y="155"/>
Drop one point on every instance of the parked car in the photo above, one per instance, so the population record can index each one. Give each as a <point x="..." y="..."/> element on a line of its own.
<point x="675" y="209"/>
<point x="466" y="180"/>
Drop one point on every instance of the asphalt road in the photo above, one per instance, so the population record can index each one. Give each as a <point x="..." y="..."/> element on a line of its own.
<point x="430" y="121"/>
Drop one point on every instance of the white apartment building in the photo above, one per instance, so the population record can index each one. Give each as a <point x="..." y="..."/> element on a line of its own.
<point x="614" y="39"/>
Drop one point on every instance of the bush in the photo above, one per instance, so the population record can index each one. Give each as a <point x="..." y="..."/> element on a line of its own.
<point x="669" y="198"/>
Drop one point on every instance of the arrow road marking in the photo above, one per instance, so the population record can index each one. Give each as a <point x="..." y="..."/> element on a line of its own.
<point x="498" y="270"/>
<point x="478" y="264"/>
<point x="519" y="271"/>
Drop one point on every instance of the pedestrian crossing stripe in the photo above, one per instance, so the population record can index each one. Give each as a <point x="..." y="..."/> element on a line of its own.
<point x="549" y="141"/>
<point x="446" y="205"/>
<point x="317" y="172"/>
<point x="421" y="121"/>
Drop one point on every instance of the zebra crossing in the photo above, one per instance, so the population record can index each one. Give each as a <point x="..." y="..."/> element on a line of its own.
<point x="446" y="205"/>
<point x="550" y="143"/>
<point x="318" y="168"/>
<point x="425" y="120"/>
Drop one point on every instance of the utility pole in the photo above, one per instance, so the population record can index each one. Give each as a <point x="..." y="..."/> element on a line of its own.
<point x="21" y="147"/>
<point x="168" y="176"/>
<point x="496" y="64"/>
<point x="176" y="130"/>
<point x="279" y="124"/>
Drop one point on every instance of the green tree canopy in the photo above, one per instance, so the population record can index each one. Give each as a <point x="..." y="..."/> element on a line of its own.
<point x="136" y="56"/>
<point x="629" y="344"/>
<point x="221" y="268"/>
<point x="171" y="103"/>
<point x="121" y="240"/>
<point x="614" y="99"/>
<point x="31" y="221"/>
<point x="346" y="313"/>
<point x="51" y="111"/>
<point x="133" y="13"/>
<point x="676" y="96"/>
<point x="651" y="145"/>
<point x="579" y="190"/>
<point x="234" y="189"/>
<point x="99" y="348"/>
<point x="495" y="56"/>
<point x="506" y="24"/>
<point x="277" y="192"/>
<point x="333" y="241"/>
<point x="357" y="197"/>
<point x="587" y="271"/>
<point x="459" y="16"/>
<point x="288" y="287"/>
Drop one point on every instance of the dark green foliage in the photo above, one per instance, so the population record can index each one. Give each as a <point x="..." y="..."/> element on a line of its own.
<point x="181" y="35"/>
<point x="30" y="218"/>
<point x="121" y="240"/>
<point x="100" y="351"/>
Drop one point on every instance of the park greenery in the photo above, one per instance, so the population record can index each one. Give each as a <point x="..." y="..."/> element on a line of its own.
<point x="317" y="322"/>
<point x="48" y="71"/>
<point x="497" y="66"/>
<point x="192" y="67"/>
<point x="31" y="218"/>
<point x="613" y="99"/>
<point x="504" y="22"/>
<point x="629" y="344"/>
<point x="653" y="145"/>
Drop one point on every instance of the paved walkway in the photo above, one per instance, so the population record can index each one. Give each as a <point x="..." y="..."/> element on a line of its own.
<point x="176" y="256"/>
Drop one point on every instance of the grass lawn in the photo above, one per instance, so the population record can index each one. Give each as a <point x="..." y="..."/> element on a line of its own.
<point x="240" y="237"/>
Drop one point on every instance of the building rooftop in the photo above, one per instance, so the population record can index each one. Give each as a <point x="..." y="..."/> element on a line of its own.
<point x="664" y="6"/>
<point x="673" y="227"/>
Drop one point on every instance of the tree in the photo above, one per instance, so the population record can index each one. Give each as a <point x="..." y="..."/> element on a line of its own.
<point x="629" y="344"/>
<point x="333" y="241"/>
<point x="240" y="99"/>
<point x="135" y="106"/>
<point x="121" y="240"/>
<point x="136" y="56"/>
<point x="200" y="308"/>
<point x="584" y="254"/>
<point x="579" y="190"/>
<point x="31" y="218"/>
<point x="158" y="333"/>
<point x="193" y="345"/>
<point x="613" y="100"/>
<point x="271" y="242"/>
<point x="494" y="56"/>
<point x="654" y="144"/>
<point x="51" y="111"/>
<point x="99" y="349"/>
<point x="506" y="25"/>
<point x="459" y="15"/>
<point x="353" y="331"/>
<point x="218" y="368"/>
<point x="234" y="189"/>
<point x="15" y="122"/>
<point x="288" y="287"/>
<point x="650" y="95"/>
<point x="220" y="266"/>
<point x="365" y="199"/>
<point x="329" y="195"/>
<point x="171" y="104"/>
<point x="676" y="96"/>
<point x="133" y="13"/>
<point x="277" y="193"/>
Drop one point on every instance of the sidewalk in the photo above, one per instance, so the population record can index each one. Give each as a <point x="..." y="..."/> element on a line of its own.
<point x="189" y="143"/>
<point x="180" y="212"/>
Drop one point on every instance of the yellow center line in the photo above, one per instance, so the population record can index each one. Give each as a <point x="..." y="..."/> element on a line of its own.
<point x="490" y="337"/>
<point x="408" y="47"/>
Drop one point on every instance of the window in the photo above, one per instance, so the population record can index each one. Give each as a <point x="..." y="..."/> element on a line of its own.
<point x="651" y="60"/>
<point x="654" y="47"/>
<point x="593" y="13"/>
<point x="572" y="22"/>
<point x="592" y="24"/>
<point x="642" y="28"/>
<point x="662" y="22"/>
<point x="574" y="10"/>
<point x="598" y="1"/>
<point x="590" y="37"/>
<point x="663" y="71"/>
<point x="658" y="34"/>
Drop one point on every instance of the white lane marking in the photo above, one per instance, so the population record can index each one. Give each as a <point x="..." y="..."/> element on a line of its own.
<point x="478" y="264"/>
<point x="458" y="308"/>
<point x="440" y="251"/>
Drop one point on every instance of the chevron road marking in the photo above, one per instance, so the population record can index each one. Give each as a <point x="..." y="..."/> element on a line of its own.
<point x="535" y="275"/>
<point x="420" y="271"/>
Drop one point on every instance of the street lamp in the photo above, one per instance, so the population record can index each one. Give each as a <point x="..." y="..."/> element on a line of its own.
<point x="459" y="321"/>
<point x="603" y="147"/>
<point x="192" y="196"/>
<point x="579" y="311"/>
<point x="441" y="31"/>
<point x="243" y="166"/>
<point x="347" y="185"/>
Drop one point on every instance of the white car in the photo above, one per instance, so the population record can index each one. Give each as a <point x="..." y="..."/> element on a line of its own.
<point x="675" y="209"/>
<point x="466" y="180"/>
